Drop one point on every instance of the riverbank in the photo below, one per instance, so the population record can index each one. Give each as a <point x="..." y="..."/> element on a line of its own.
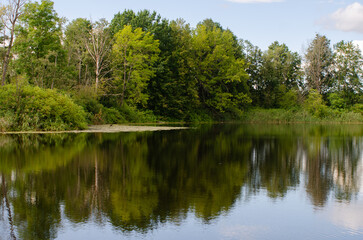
<point x="105" y="129"/>
<point x="301" y="116"/>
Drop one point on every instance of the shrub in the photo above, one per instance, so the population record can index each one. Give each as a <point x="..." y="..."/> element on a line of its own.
<point x="86" y="97"/>
<point x="314" y="104"/>
<point x="6" y="120"/>
<point x="290" y="99"/>
<point x="132" y="114"/>
<point x="337" y="101"/>
<point x="112" y="115"/>
<point x="358" y="108"/>
<point x="34" y="108"/>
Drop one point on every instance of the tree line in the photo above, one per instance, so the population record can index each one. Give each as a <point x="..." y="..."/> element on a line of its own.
<point x="145" y="64"/>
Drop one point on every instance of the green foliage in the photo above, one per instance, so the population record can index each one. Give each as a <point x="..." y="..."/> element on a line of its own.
<point x="220" y="76"/>
<point x="169" y="69"/>
<point x="290" y="99"/>
<point x="358" y="108"/>
<point x="112" y="116"/>
<point x="280" y="71"/>
<point x="76" y="34"/>
<point x="96" y="112"/>
<point x="319" y="58"/>
<point x="175" y="95"/>
<point x="6" y="120"/>
<point x="132" y="114"/>
<point x="315" y="105"/>
<point x="337" y="101"/>
<point x="133" y="54"/>
<point x="348" y="74"/>
<point x="33" y="108"/>
<point x="88" y="99"/>
<point x="300" y="115"/>
<point x="40" y="54"/>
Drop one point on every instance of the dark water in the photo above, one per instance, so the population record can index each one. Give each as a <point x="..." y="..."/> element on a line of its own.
<point x="210" y="182"/>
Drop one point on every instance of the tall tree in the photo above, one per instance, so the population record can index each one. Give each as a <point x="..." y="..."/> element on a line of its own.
<point x="38" y="44"/>
<point x="253" y="56"/>
<point x="98" y="46"/>
<point x="13" y="11"/>
<point x="280" y="73"/>
<point x="161" y="85"/>
<point x="178" y="96"/>
<point x="221" y="77"/>
<point x="133" y="54"/>
<point x="76" y="34"/>
<point x="318" y="69"/>
<point x="348" y="71"/>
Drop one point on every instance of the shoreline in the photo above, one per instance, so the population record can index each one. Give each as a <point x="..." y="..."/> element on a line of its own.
<point x="144" y="127"/>
<point x="114" y="128"/>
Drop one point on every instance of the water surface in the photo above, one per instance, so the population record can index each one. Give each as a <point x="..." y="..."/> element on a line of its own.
<point x="227" y="181"/>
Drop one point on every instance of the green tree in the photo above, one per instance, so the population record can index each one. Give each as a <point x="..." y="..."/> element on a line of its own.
<point x="75" y="43"/>
<point x="221" y="78"/>
<point x="318" y="60"/>
<point x="133" y="55"/>
<point x="254" y="61"/>
<point x="38" y="44"/>
<point x="179" y="96"/>
<point x="348" y="72"/>
<point x="161" y="87"/>
<point x="280" y="73"/>
<point x="315" y="104"/>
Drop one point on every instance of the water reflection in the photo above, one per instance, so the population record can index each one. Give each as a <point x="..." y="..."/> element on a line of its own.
<point x="138" y="181"/>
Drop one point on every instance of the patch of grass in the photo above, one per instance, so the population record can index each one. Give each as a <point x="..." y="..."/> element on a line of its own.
<point x="297" y="115"/>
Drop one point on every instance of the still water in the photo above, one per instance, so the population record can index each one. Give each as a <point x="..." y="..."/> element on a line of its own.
<point x="208" y="182"/>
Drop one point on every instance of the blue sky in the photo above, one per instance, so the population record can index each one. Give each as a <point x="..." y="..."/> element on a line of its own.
<point x="294" y="22"/>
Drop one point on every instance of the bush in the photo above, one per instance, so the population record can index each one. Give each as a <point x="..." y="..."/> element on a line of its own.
<point x="132" y="114"/>
<point x="337" y="101"/>
<point x="290" y="99"/>
<point x="358" y="108"/>
<point x="86" y="97"/>
<point x="33" y="108"/>
<point x="112" y="115"/>
<point x="314" y="104"/>
<point x="6" y="120"/>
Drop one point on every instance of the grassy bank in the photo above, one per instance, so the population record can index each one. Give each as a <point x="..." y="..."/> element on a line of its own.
<point x="300" y="115"/>
<point x="30" y="108"/>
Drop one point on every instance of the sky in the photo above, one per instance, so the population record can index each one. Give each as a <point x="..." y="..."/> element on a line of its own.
<point x="293" y="22"/>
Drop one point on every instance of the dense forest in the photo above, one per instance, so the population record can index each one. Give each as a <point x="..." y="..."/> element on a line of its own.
<point x="140" y="67"/>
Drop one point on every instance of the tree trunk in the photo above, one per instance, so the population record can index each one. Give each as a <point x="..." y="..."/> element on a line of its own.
<point x="7" y="56"/>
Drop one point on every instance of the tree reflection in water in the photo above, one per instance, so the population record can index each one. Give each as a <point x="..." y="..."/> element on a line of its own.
<point x="137" y="181"/>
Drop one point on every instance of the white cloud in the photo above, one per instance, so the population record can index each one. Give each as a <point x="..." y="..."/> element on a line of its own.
<point x="255" y="1"/>
<point x="348" y="19"/>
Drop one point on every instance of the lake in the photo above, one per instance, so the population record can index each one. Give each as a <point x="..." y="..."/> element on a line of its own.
<point x="224" y="181"/>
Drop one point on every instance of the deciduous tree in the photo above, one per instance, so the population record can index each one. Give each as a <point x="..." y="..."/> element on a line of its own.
<point x="76" y="34"/>
<point x="280" y="73"/>
<point x="348" y="71"/>
<point x="221" y="77"/>
<point x="9" y="18"/>
<point x="38" y="44"/>
<point x="318" y="60"/>
<point x="98" y="45"/>
<point x="133" y="54"/>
